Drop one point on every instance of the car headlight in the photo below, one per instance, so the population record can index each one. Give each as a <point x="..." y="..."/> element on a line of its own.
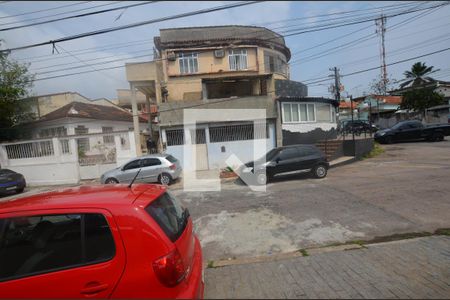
<point x="382" y="133"/>
<point x="247" y="170"/>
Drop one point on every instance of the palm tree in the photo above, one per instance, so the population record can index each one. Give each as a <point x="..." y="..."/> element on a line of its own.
<point x="418" y="75"/>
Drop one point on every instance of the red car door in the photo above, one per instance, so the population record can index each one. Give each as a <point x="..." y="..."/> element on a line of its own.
<point x="63" y="253"/>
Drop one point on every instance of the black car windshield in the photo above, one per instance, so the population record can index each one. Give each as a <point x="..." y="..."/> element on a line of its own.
<point x="269" y="155"/>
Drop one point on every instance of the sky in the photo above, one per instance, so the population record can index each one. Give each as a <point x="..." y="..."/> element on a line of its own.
<point x="422" y="33"/>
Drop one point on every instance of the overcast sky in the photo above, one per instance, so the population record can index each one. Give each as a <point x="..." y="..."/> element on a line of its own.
<point x="426" y="34"/>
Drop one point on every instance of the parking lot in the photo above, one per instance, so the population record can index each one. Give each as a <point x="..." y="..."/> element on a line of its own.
<point x="403" y="190"/>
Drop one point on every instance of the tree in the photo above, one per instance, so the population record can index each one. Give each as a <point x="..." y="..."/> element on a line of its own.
<point x="15" y="82"/>
<point x="418" y="75"/>
<point x="377" y="86"/>
<point x="420" y="99"/>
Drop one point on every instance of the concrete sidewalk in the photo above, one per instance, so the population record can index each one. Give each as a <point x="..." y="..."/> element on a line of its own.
<point x="416" y="268"/>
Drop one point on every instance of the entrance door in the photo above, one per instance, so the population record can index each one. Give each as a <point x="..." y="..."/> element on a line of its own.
<point x="199" y="149"/>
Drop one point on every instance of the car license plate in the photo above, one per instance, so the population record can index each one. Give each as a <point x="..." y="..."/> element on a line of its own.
<point x="11" y="188"/>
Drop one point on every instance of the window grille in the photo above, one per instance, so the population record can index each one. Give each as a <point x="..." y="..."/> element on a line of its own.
<point x="175" y="137"/>
<point x="238" y="132"/>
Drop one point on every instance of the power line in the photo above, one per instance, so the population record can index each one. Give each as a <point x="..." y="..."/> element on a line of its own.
<point x="78" y="16"/>
<point x="352" y="43"/>
<point x="112" y="29"/>
<point x="42" y="10"/>
<point x="61" y="13"/>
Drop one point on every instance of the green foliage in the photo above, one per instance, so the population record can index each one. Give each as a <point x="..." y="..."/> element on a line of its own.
<point x="210" y="264"/>
<point x="304" y="252"/>
<point x="418" y="75"/>
<point x="15" y="82"/>
<point x="377" y="150"/>
<point x="421" y="99"/>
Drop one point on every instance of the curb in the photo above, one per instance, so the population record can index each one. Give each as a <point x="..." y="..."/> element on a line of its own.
<point x="283" y="256"/>
<point x="343" y="163"/>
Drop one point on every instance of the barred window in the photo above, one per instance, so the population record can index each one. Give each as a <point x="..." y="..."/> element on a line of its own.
<point x="200" y="136"/>
<point x="83" y="143"/>
<point x="175" y="137"/>
<point x="238" y="132"/>
<point x="108" y="139"/>
<point x="238" y="59"/>
<point x="188" y="63"/>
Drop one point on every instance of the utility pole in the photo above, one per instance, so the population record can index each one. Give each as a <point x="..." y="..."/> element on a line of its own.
<point x="337" y="84"/>
<point x="381" y="29"/>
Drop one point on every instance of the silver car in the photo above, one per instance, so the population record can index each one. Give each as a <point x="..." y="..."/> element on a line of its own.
<point x="162" y="168"/>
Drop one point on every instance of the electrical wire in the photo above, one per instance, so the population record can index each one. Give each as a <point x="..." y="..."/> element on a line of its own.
<point x="117" y="28"/>
<point x="42" y="10"/>
<point x="78" y="16"/>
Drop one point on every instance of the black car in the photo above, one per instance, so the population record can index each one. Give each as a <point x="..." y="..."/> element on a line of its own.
<point x="284" y="161"/>
<point x="358" y="127"/>
<point x="412" y="130"/>
<point x="11" y="181"/>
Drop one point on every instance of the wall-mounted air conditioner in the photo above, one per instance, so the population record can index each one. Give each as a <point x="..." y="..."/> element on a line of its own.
<point x="219" y="53"/>
<point x="171" y="56"/>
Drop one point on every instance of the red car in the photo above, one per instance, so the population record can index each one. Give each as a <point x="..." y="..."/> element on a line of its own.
<point x="101" y="241"/>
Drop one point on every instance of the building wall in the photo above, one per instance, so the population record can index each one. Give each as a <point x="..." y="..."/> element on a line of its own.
<point x="207" y="63"/>
<point x="216" y="158"/>
<point x="309" y="132"/>
<point x="94" y="126"/>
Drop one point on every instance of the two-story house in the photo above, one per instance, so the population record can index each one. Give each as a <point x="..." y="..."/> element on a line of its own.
<point x="227" y="67"/>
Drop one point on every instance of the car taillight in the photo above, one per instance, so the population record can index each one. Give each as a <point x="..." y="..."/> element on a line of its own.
<point x="173" y="167"/>
<point x="170" y="269"/>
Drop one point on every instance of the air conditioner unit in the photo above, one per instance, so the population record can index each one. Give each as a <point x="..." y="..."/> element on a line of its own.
<point x="219" y="53"/>
<point x="171" y="56"/>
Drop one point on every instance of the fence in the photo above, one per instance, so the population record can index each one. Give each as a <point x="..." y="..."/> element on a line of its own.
<point x="63" y="160"/>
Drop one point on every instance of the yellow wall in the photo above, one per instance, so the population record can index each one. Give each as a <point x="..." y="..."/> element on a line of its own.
<point x="207" y="63"/>
<point x="50" y="103"/>
<point x="189" y="86"/>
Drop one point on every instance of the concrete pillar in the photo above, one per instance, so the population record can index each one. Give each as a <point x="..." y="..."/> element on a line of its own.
<point x="137" y="140"/>
<point x="147" y="99"/>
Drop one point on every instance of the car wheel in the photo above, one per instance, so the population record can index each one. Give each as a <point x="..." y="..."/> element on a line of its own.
<point x="261" y="178"/>
<point x="320" y="171"/>
<point x="165" y="179"/>
<point x="388" y="140"/>
<point x="111" y="181"/>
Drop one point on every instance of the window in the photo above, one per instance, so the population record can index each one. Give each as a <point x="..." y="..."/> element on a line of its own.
<point x="133" y="165"/>
<point x="200" y="136"/>
<point x="149" y="162"/>
<point x="108" y="139"/>
<point x="170" y="215"/>
<point x="305" y="151"/>
<point x="238" y="132"/>
<point x="299" y="112"/>
<point x="171" y="159"/>
<point x="274" y="63"/>
<point x="324" y="112"/>
<point x="289" y="153"/>
<point x="238" y="59"/>
<point x="175" y="137"/>
<point x="83" y="143"/>
<point x="47" y="243"/>
<point x="188" y="63"/>
<point x="53" y="132"/>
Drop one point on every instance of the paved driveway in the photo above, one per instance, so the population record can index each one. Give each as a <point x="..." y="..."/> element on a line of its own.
<point x="406" y="189"/>
<point x="417" y="269"/>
